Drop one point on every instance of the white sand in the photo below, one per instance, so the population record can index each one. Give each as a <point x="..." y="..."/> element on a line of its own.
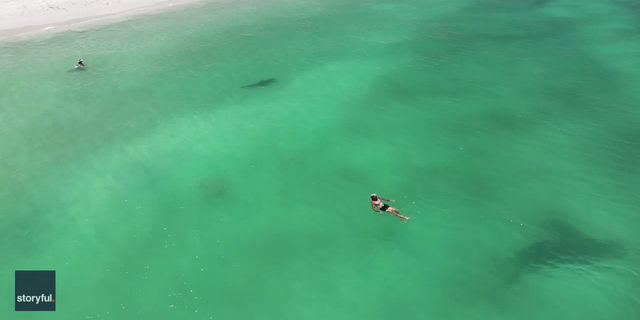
<point x="22" y="16"/>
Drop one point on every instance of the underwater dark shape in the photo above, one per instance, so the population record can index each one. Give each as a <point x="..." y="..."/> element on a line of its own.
<point x="565" y="247"/>
<point x="214" y="189"/>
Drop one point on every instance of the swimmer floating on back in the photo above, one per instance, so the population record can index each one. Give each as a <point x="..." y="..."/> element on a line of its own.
<point x="377" y="202"/>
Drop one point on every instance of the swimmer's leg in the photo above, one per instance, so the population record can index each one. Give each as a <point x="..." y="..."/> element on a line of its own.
<point x="398" y="214"/>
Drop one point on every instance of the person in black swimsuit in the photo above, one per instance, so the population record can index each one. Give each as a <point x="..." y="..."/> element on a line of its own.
<point x="80" y="63"/>
<point x="377" y="202"/>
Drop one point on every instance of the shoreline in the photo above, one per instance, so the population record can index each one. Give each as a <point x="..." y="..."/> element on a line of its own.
<point x="18" y="19"/>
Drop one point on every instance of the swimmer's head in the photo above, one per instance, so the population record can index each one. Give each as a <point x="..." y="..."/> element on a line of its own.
<point x="374" y="196"/>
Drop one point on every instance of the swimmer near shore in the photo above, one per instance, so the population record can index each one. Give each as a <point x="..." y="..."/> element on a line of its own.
<point x="376" y="202"/>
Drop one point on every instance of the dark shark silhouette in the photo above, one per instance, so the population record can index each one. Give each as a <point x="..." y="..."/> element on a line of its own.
<point x="261" y="83"/>
<point x="567" y="246"/>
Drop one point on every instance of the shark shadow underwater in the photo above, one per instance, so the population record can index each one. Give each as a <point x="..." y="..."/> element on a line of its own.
<point x="565" y="247"/>
<point x="261" y="83"/>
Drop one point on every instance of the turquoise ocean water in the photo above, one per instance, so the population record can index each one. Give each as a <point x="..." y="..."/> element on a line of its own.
<point x="158" y="189"/>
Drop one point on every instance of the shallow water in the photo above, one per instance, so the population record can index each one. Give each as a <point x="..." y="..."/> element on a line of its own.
<point x="158" y="189"/>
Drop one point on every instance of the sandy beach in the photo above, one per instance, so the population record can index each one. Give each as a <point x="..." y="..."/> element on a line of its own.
<point x="26" y="16"/>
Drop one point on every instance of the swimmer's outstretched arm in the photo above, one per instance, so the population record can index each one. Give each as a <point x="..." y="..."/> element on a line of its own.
<point x="385" y="199"/>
